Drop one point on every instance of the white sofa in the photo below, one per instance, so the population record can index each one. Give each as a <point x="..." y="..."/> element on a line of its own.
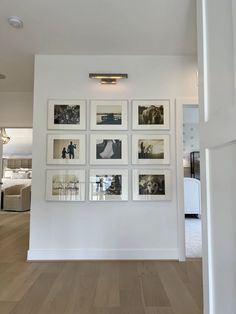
<point x="192" y="196"/>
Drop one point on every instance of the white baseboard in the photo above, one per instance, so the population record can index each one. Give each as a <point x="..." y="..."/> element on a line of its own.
<point x="103" y="254"/>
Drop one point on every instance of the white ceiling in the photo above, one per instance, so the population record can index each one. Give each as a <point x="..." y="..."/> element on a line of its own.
<point x="162" y="27"/>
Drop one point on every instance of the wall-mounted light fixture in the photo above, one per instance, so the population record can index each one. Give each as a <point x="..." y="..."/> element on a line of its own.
<point x="108" y="78"/>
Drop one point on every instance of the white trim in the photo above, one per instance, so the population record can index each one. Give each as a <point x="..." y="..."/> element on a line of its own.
<point x="209" y="244"/>
<point x="180" y="103"/>
<point x="204" y="117"/>
<point x="101" y="254"/>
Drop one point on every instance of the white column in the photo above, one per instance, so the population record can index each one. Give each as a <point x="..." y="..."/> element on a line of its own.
<point x="216" y="54"/>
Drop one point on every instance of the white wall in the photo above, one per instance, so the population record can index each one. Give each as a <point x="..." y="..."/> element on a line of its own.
<point x="104" y="230"/>
<point x="16" y="109"/>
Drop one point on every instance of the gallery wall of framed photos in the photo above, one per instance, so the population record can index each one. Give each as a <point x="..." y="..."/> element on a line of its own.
<point x="117" y="163"/>
<point x="109" y="142"/>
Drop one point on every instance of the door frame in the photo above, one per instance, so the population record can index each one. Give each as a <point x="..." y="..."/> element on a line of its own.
<point x="180" y="103"/>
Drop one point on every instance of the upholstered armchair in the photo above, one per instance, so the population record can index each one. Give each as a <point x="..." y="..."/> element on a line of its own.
<point x="17" y="197"/>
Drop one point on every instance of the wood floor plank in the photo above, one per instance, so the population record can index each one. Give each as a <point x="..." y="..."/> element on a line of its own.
<point x="131" y="298"/>
<point x="57" y="299"/>
<point x="17" y="285"/>
<point x="83" y="295"/>
<point x="158" y="310"/>
<point x="180" y="298"/>
<point x="154" y="292"/>
<point x="118" y="310"/>
<point x="107" y="293"/>
<point x="91" y="287"/>
<point x="6" y="307"/>
<point x="33" y="299"/>
<point x="192" y="278"/>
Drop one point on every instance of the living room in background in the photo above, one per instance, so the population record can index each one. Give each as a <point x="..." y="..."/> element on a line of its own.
<point x="17" y="170"/>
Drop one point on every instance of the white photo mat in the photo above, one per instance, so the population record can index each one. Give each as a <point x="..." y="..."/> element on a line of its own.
<point x="108" y="149"/>
<point x="59" y="145"/>
<point x="108" y="114"/>
<point x="65" y="185"/>
<point x="151" y="185"/>
<point x="65" y="114"/>
<point x="108" y="185"/>
<point x="148" y="149"/>
<point x="151" y="114"/>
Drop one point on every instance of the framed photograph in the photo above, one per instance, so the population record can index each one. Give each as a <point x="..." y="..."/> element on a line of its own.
<point x="66" y="114"/>
<point x="108" y="149"/>
<point x="151" y="114"/>
<point x="65" y="185"/>
<point x="66" y="149"/>
<point x="150" y="149"/>
<point x="109" y="114"/>
<point x="151" y="185"/>
<point x="108" y="185"/>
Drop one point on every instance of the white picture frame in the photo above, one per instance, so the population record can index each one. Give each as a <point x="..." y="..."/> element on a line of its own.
<point x="108" y="114"/>
<point x="151" y="185"/>
<point x="151" y="114"/>
<point x="66" y="149"/>
<point x="65" y="185"/>
<point x="150" y="149"/>
<point x="108" y="149"/>
<point x="65" y="114"/>
<point x="108" y="185"/>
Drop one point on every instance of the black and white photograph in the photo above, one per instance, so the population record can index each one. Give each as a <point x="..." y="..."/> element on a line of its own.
<point x="150" y="149"/>
<point x="151" y="185"/>
<point x="108" y="114"/>
<point x="66" y="114"/>
<point x="65" y="185"/>
<point x="110" y="149"/>
<point x="150" y="114"/>
<point x="108" y="185"/>
<point x="66" y="149"/>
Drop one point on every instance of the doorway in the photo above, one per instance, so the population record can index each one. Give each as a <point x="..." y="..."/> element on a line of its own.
<point x="16" y="169"/>
<point x="192" y="183"/>
<point x="183" y="175"/>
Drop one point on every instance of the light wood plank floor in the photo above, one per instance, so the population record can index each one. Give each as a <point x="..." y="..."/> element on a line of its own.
<point x="91" y="287"/>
